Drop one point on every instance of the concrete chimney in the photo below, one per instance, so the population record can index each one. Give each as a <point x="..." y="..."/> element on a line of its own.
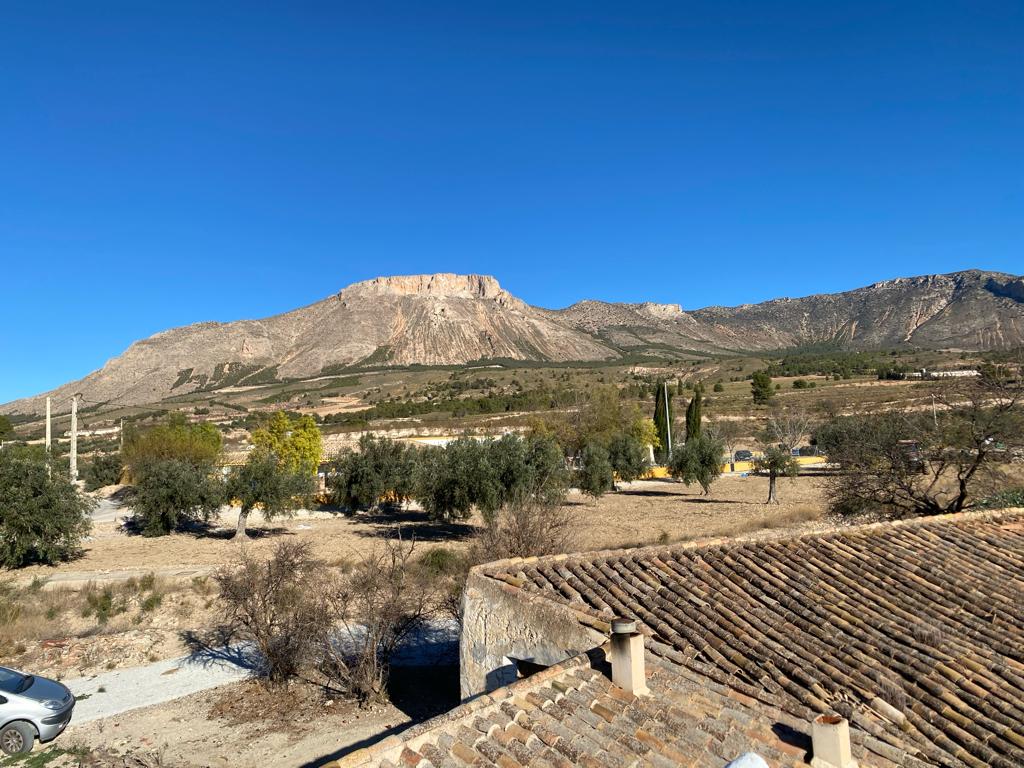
<point x="830" y="735"/>
<point x="628" y="670"/>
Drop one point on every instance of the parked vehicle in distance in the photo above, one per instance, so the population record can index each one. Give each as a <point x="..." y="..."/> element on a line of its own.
<point x="744" y="456"/>
<point x="31" y="707"/>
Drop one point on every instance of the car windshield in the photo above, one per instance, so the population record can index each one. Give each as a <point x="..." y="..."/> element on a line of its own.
<point x="14" y="682"/>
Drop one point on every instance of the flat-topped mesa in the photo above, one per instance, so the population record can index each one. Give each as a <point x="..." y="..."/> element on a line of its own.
<point x="443" y="284"/>
<point x="664" y="311"/>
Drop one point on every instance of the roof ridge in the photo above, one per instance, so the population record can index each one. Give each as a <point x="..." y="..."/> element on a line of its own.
<point x="495" y="566"/>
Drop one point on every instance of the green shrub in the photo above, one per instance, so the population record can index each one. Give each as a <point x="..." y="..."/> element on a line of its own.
<point x="442" y="561"/>
<point x="104" y="605"/>
<point x="104" y="469"/>
<point x="1010" y="497"/>
<point x="151" y="602"/>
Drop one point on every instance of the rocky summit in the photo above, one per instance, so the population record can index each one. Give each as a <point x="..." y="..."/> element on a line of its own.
<point x="448" y="319"/>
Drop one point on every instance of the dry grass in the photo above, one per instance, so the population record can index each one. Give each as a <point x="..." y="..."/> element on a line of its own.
<point x="662" y="511"/>
<point x="54" y="630"/>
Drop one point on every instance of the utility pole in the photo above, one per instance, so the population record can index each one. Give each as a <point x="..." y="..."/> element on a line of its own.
<point x="74" y="438"/>
<point x="935" y="414"/>
<point x="49" y="463"/>
<point x="668" y="422"/>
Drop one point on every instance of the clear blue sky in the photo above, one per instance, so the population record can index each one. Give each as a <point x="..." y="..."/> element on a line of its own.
<point x="163" y="163"/>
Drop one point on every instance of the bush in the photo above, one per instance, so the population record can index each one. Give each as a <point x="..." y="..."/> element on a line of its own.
<point x="43" y="517"/>
<point x="1011" y="497"/>
<point x="305" y="619"/>
<point x="804" y="384"/>
<point x="441" y="561"/>
<point x="281" y="604"/>
<point x="385" y="597"/>
<point x="104" y="469"/>
<point x="528" y="528"/>
<point x="172" y="492"/>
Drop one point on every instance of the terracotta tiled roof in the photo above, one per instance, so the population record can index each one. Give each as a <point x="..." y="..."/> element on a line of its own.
<point x="572" y="715"/>
<point x="913" y="630"/>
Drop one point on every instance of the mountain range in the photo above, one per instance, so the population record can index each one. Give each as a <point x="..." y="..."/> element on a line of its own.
<point x="447" y="319"/>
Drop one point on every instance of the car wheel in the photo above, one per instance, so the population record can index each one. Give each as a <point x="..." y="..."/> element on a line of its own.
<point x="16" y="738"/>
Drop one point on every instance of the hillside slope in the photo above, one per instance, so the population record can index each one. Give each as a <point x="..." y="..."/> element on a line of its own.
<point x="454" y="319"/>
<point x="970" y="310"/>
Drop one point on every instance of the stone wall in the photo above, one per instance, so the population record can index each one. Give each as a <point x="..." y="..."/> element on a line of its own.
<point x="502" y="625"/>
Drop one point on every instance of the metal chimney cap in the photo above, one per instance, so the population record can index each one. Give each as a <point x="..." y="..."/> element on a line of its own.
<point x="623" y="626"/>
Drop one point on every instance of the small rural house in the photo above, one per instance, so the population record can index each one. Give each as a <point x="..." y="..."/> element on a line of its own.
<point x="891" y="644"/>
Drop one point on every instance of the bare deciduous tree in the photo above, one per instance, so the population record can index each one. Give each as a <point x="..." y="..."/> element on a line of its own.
<point x="307" y="619"/>
<point x="932" y="461"/>
<point x="789" y="427"/>
<point x="279" y="605"/>
<point x="377" y="605"/>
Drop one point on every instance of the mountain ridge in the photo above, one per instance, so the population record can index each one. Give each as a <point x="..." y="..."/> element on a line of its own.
<point x="449" y="319"/>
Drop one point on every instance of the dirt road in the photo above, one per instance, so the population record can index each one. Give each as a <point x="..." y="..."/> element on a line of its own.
<point x="121" y="690"/>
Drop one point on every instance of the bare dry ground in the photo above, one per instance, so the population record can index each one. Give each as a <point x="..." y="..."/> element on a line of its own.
<point x="639" y="513"/>
<point x="239" y="725"/>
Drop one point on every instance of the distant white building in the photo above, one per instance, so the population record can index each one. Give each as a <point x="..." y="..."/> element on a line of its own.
<point x="924" y="373"/>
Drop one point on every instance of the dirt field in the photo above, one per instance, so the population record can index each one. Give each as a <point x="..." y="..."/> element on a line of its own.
<point x="230" y="726"/>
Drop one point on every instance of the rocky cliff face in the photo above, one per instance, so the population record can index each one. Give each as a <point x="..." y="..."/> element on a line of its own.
<point x="453" y="319"/>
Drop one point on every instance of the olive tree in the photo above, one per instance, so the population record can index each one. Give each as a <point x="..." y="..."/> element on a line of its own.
<point x="268" y="482"/>
<point x="628" y="457"/>
<point x="169" y="493"/>
<point x="380" y="472"/>
<point x="43" y="517"/>
<point x="775" y="462"/>
<point x="698" y="460"/>
<point x="596" y="476"/>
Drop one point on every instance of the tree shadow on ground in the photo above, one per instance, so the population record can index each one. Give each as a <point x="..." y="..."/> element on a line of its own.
<point x="220" y="646"/>
<point x="419" y="692"/>
<point x="647" y="492"/>
<point x="207" y="529"/>
<point x="706" y="500"/>
<point x="408" y="523"/>
<point x="225" y="534"/>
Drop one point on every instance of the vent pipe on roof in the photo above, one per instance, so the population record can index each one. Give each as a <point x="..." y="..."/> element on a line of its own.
<point x="628" y="670"/>
<point x="830" y="735"/>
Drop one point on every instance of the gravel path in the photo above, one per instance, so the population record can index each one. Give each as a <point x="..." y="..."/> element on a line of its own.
<point x="111" y="693"/>
<point x="121" y="690"/>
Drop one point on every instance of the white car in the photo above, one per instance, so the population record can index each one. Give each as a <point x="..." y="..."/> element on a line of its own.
<point x="31" y="708"/>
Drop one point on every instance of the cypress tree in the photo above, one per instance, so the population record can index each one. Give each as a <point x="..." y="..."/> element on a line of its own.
<point x="662" y="418"/>
<point x="694" y="412"/>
